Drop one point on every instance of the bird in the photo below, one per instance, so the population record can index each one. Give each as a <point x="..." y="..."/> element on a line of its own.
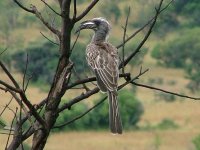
<point x="103" y="59"/>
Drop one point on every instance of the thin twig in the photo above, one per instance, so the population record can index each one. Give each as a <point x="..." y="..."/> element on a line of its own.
<point x="75" y="41"/>
<point x="23" y="7"/>
<point x="87" y="10"/>
<point x="79" y="78"/>
<point x="86" y="80"/>
<point x="165" y="91"/>
<point x="34" y="10"/>
<point x="145" y="25"/>
<point x="7" y="105"/>
<point x="80" y="116"/>
<point x="124" y="36"/>
<point x="49" y="39"/>
<point x="9" y="87"/>
<point x="75" y="10"/>
<point x="11" y="128"/>
<point x="9" y="75"/>
<point x="144" y="39"/>
<point x="51" y="8"/>
<point x="3" y="51"/>
<point x="25" y="71"/>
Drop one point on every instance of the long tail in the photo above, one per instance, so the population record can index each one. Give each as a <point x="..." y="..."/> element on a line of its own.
<point x="114" y="115"/>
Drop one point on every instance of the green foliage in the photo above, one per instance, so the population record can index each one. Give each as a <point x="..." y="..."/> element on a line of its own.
<point x="78" y="57"/>
<point x="42" y="61"/>
<point x="167" y="124"/>
<point x="43" y="58"/>
<point x="25" y="147"/>
<point x="111" y="9"/>
<point x="196" y="142"/>
<point x="130" y="108"/>
<point x="2" y="123"/>
<point x="129" y="48"/>
<point x="182" y="52"/>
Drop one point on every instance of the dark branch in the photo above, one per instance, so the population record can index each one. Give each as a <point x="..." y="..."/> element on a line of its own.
<point x="144" y="40"/>
<point x="24" y="76"/>
<point x="51" y="8"/>
<point x="165" y="91"/>
<point x="78" y="99"/>
<point x="75" y="41"/>
<point x="7" y="105"/>
<point x="145" y="25"/>
<point x="34" y="10"/>
<point x="51" y="28"/>
<point x="49" y="39"/>
<point x="87" y="10"/>
<point x="86" y="80"/>
<point x="75" y="10"/>
<point x="23" y="7"/>
<point x="9" y="87"/>
<point x="9" y="75"/>
<point x="80" y="116"/>
<point x="15" y="115"/>
<point x="124" y="36"/>
<point x="3" y="51"/>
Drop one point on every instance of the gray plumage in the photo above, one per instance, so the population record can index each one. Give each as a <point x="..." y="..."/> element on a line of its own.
<point x="102" y="57"/>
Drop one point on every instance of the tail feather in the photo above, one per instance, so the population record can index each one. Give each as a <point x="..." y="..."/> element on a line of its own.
<point x="114" y="115"/>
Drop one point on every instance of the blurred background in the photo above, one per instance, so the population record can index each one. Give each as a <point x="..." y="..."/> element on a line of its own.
<point x="152" y="120"/>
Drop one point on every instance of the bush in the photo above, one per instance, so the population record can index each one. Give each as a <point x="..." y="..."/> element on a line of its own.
<point x="167" y="124"/>
<point x="111" y="9"/>
<point x="196" y="142"/>
<point x="183" y="52"/>
<point x="130" y="108"/>
<point x="2" y="123"/>
<point x="42" y="62"/>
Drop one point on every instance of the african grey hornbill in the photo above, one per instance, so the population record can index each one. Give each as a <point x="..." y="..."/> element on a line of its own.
<point x="102" y="57"/>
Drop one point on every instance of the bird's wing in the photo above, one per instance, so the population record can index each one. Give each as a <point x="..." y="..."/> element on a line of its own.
<point x="105" y="64"/>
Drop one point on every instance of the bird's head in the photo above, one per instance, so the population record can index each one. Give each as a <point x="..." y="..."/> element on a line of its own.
<point x="96" y="24"/>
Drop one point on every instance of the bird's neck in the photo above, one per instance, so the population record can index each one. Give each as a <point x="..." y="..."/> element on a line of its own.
<point x="100" y="36"/>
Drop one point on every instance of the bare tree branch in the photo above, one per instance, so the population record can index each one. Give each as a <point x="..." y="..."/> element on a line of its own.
<point x="49" y="39"/>
<point x="51" y="8"/>
<point x="23" y="7"/>
<point x="78" y="99"/>
<point x="75" y="41"/>
<point x="124" y="36"/>
<point x="80" y="116"/>
<point x="15" y="115"/>
<point x="9" y="75"/>
<point x="9" y="87"/>
<point x="3" y="51"/>
<point x="145" y="25"/>
<point x="51" y="28"/>
<point x="144" y="39"/>
<point x="75" y="10"/>
<point x="165" y="91"/>
<point x="24" y="76"/>
<point x="7" y="105"/>
<point x="87" y="10"/>
<point x="34" y="10"/>
<point x="86" y="80"/>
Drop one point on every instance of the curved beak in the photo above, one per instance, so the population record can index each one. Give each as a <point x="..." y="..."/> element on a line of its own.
<point x="86" y="25"/>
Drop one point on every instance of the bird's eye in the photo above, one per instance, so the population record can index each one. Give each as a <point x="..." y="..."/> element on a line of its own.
<point x="97" y="22"/>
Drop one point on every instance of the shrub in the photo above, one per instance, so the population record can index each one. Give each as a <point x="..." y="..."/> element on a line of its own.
<point x="167" y="124"/>
<point x="182" y="52"/>
<point x="130" y="108"/>
<point x="196" y="142"/>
